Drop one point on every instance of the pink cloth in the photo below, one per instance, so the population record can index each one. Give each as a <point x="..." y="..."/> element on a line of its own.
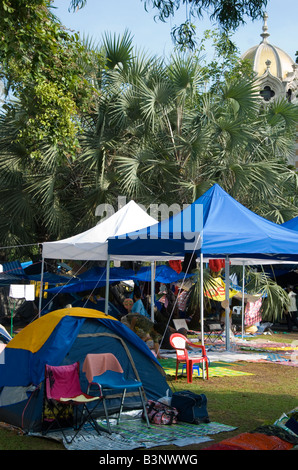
<point x="253" y="312"/>
<point x="63" y="382"/>
<point x="182" y="300"/>
<point x="96" y="364"/>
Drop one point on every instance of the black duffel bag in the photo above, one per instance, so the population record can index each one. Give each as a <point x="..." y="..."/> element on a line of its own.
<point x="192" y="408"/>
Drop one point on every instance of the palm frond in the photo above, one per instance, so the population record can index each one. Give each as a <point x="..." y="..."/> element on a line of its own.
<point x="243" y="96"/>
<point x="282" y="112"/>
<point x="118" y="49"/>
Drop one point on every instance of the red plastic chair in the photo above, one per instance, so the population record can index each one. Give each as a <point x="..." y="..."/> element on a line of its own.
<point x="179" y="343"/>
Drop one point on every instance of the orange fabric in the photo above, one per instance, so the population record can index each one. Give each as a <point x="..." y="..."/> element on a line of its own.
<point x="257" y="441"/>
<point x="97" y="364"/>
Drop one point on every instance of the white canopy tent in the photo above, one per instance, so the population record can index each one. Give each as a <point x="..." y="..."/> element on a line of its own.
<point x="92" y="245"/>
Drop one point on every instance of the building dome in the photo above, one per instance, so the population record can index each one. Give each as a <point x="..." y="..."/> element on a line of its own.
<point x="281" y="64"/>
<point x="274" y="68"/>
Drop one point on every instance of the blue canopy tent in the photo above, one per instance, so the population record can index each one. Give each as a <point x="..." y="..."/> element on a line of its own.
<point x="225" y="226"/>
<point x="96" y="277"/>
<point x="291" y="224"/>
<point x="214" y="226"/>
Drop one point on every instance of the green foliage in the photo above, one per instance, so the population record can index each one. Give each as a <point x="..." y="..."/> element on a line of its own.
<point x="183" y="35"/>
<point x="152" y="130"/>
<point x="40" y="67"/>
<point x="228" y="14"/>
<point x="148" y="129"/>
<point x="53" y="120"/>
<point x="226" y="64"/>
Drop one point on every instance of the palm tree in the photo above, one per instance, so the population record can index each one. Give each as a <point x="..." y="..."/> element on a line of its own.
<point x="178" y="137"/>
<point x="34" y="191"/>
<point x="152" y="133"/>
<point x="156" y="106"/>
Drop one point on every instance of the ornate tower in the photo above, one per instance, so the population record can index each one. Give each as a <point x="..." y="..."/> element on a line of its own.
<point x="277" y="76"/>
<point x="276" y="72"/>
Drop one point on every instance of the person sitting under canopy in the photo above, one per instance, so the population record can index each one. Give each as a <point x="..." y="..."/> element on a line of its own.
<point x="141" y="325"/>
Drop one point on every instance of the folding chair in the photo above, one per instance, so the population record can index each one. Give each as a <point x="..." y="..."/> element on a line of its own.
<point x="215" y="332"/>
<point x="104" y="372"/>
<point x="62" y="391"/>
<point x="179" y="342"/>
<point x="181" y="323"/>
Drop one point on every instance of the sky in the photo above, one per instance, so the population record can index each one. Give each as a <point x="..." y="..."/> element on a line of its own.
<point x="99" y="17"/>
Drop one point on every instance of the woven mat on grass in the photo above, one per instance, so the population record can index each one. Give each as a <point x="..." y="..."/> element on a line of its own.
<point x="134" y="434"/>
<point x="266" y="346"/>
<point x="286" y="354"/>
<point x="215" y="369"/>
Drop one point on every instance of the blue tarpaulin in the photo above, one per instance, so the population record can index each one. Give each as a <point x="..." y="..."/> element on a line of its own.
<point x="96" y="277"/>
<point x="13" y="268"/>
<point x="163" y="273"/>
<point x="93" y="278"/>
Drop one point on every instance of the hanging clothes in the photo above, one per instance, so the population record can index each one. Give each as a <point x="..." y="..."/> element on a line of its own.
<point x="182" y="300"/>
<point x="253" y="313"/>
<point x="176" y="265"/>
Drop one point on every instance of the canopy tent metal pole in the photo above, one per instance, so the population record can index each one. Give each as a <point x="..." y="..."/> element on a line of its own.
<point x="152" y="289"/>
<point x="242" y="308"/>
<point x="107" y="286"/>
<point x="202" y="298"/>
<point x="41" y="286"/>
<point x="227" y="306"/>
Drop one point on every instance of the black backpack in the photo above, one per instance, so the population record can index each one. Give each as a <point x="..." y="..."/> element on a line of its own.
<point x="192" y="408"/>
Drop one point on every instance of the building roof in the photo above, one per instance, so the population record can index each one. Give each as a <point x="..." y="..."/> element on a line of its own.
<point x="266" y="56"/>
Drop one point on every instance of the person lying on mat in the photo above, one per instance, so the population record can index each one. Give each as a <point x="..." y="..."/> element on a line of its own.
<point x="144" y="328"/>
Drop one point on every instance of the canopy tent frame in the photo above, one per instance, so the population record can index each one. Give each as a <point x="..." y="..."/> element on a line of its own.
<point x="231" y="231"/>
<point x="249" y="244"/>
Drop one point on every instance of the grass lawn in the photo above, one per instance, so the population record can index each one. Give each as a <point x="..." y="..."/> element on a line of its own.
<point x="246" y="401"/>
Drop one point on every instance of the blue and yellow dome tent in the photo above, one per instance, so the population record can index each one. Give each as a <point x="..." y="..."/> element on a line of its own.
<point x="64" y="337"/>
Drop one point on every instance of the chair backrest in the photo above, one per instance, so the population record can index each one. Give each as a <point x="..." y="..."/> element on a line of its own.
<point x="180" y="323"/>
<point x="237" y="309"/>
<point x="97" y="364"/>
<point x="62" y="381"/>
<point x="214" y="327"/>
<point x="178" y="342"/>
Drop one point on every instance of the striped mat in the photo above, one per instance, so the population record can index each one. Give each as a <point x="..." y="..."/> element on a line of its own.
<point x="215" y="369"/>
<point x="133" y="434"/>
